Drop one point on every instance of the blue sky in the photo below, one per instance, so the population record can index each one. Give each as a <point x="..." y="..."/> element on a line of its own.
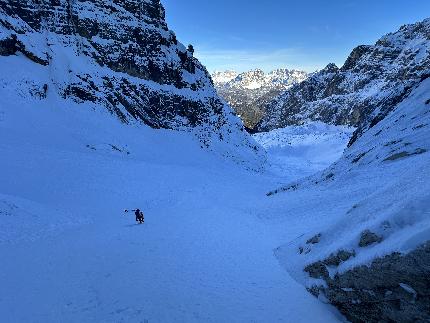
<point x="301" y="34"/>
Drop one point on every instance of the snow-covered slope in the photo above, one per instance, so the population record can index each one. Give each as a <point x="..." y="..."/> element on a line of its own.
<point x="118" y="55"/>
<point x="249" y="92"/>
<point x="360" y="230"/>
<point x="370" y="208"/>
<point x="372" y="80"/>
<point x="92" y="95"/>
<point x="69" y="253"/>
<point x="303" y="150"/>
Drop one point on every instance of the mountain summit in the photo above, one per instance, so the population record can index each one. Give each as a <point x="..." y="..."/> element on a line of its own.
<point x="249" y="92"/>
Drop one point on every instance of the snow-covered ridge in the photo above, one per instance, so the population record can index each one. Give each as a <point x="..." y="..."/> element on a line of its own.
<point x="372" y="79"/>
<point x="256" y="79"/>
<point x="119" y="55"/>
<point x="249" y="92"/>
<point x="224" y="77"/>
<point x="369" y="209"/>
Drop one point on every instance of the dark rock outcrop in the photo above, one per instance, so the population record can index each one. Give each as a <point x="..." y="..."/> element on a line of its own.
<point x="11" y="45"/>
<point x="315" y="239"/>
<point x="368" y="238"/>
<point x="337" y="258"/>
<point x="395" y="288"/>
<point x="319" y="269"/>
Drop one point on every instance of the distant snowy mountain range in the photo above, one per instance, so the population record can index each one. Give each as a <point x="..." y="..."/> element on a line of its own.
<point x="257" y="79"/>
<point x="248" y="92"/>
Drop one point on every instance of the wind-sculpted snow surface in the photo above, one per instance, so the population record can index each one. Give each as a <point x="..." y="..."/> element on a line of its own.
<point x="369" y="84"/>
<point x="119" y="55"/>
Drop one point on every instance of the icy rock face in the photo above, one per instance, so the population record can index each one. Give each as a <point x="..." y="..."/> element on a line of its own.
<point x="370" y="82"/>
<point x="249" y="92"/>
<point x="120" y="54"/>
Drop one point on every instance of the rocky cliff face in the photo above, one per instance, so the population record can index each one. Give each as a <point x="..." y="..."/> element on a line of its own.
<point x="119" y="54"/>
<point x="248" y="93"/>
<point x="363" y="90"/>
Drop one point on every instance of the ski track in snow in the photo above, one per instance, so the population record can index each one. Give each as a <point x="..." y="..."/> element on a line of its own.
<point x="69" y="253"/>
